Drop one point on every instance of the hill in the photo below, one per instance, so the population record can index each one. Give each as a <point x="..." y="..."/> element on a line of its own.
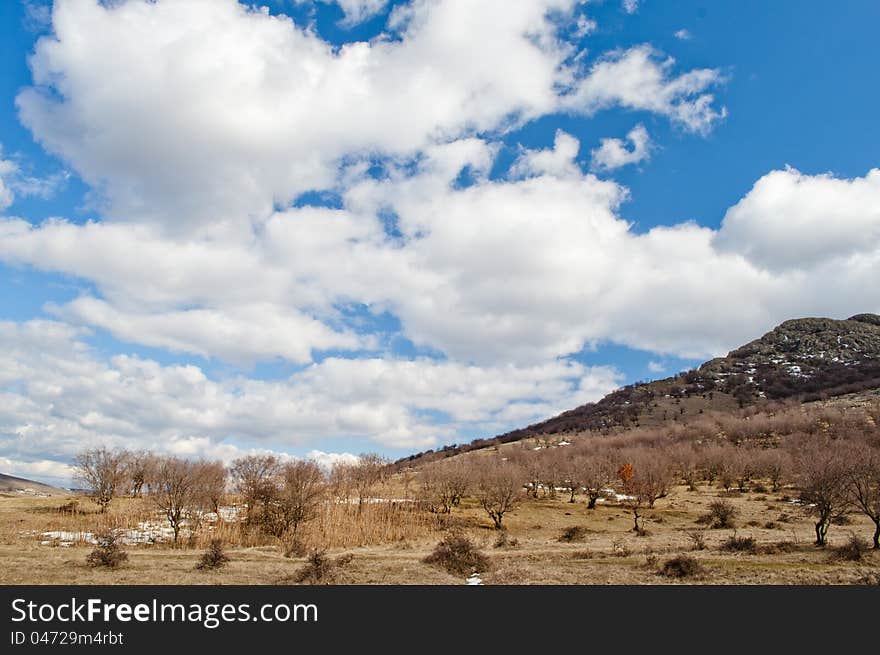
<point x="802" y="359"/>
<point x="11" y="485"/>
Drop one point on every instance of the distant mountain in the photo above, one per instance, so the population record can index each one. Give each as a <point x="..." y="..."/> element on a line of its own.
<point x="806" y="359"/>
<point x="11" y="485"/>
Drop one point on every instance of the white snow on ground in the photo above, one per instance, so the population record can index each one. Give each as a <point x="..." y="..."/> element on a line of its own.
<point x="475" y="579"/>
<point x="564" y="443"/>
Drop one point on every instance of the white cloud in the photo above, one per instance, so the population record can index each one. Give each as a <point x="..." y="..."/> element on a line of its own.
<point x="638" y="79"/>
<point x="59" y="397"/>
<point x="242" y="334"/>
<point x="14" y="182"/>
<point x="7" y="170"/>
<point x="630" y="6"/>
<point x="613" y="153"/>
<point x="683" y="35"/>
<point x="790" y="220"/>
<point x="230" y="111"/>
<point x="558" y="161"/>
<point x="357" y="11"/>
<point x="656" y="367"/>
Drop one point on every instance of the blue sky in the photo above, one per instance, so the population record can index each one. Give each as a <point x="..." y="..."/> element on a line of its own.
<point x="223" y="231"/>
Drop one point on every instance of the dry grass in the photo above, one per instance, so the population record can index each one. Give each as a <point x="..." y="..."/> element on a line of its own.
<point x="389" y="541"/>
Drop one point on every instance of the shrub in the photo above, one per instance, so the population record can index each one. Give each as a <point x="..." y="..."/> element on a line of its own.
<point x="573" y="533"/>
<point x="698" y="539"/>
<point x="681" y="566"/>
<point x="504" y="540"/>
<point x="457" y="555"/>
<point x="853" y="550"/>
<point x="721" y="514"/>
<point x="214" y="556"/>
<point x="778" y="547"/>
<point x="739" y="544"/>
<point x="619" y="548"/>
<point x="108" y="553"/>
<point x="320" y="569"/>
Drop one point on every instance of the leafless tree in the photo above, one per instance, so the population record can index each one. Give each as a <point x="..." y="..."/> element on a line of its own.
<point x="369" y="471"/>
<point x="139" y="469"/>
<point x="597" y="472"/>
<point x="822" y="477"/>
<point x="340" y="481"/>
<point x="571" y="468"/>
<point x="444" y="484"/>
<point x="101" y="471"/>
<point x="176" y="491"/>
<point x="863" y="484"/>
<point x="774" y="464"/>
<point x="253" y="478"/>
<point x="498" y="488"/>
<point x="301" y="485"/>
<point x="212" y="485"/>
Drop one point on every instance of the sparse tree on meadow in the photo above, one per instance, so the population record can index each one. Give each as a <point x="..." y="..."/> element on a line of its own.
<point x="597" y="472"/>
<point x="212" y="477"/>
<point x="498" y="488"/>
<point x="444" y="484"/>
<point x="102" y="471"/>
<point x="301" y="485"/>
<point x="863" y="484"/>
<point x="253" y="478"/>
<point x="822" y="477"/>
<point x="369" y="471"/>
<point x="176" y="491"/>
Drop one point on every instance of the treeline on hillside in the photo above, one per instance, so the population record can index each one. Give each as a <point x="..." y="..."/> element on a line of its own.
<point x="829" y="456"/>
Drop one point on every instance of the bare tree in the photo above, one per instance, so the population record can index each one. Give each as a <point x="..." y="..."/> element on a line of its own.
<point x="340" y="481"/>
<point x="139" y="469"/>
<point x="444" y="484"/>
<point x="498" y="486"/>
<point x="774" y="464"/>
<point x="212" y="485"/>
<point x="176" y="492"/>
<point x="253" y="479"/>
<point x="597" y="472"/>
<point x="863" y="484"/>
<point x="102" y="471"/>
<point x="822" y="477"/>
<point x="369" y="471"/>
<point x="301" y="485"/>
<point x="570" y="473"/>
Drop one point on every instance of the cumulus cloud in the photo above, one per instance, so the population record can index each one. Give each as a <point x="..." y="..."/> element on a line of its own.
<point x="639" y="79"/>
<point x="60" y="396"/>
<point x="630" y="6"/>
<point x="230" y="112"/>
<point x="357" y="11"/>
<point x="683" y="35"/>
<point x="613" y="153"/>
<point x="789" y="220"/>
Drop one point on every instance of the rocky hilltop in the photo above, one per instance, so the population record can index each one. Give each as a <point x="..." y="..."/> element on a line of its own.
<point x="802" y="359"/>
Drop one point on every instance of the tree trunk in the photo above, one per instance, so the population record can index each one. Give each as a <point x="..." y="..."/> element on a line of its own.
<point x="877" y="534"/>
<point x="635" y="521"/>
<point x="821" y="532"/>
<point x="592" y="502"/>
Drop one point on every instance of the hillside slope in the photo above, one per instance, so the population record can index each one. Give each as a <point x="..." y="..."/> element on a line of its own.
<point x="804" y="359"/>
<point x="11" y="485"/>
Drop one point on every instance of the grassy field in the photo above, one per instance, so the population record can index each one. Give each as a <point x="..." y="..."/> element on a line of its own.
<point x="386" y="546"/>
